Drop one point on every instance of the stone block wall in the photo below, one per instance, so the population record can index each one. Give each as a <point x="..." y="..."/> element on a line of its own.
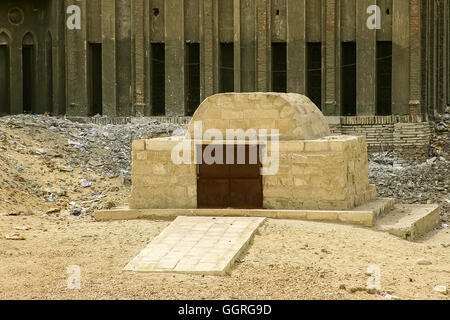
<point x="329" y="173"/>
<point x="158" y="183"/>
<point x="294" y="115"/>
<point x="325" y="174"/>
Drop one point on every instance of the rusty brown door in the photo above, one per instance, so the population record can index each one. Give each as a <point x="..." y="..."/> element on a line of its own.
<point x="235" y="185"/>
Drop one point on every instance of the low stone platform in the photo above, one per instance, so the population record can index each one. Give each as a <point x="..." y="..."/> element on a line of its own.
<point x="409" y="221"/>
<point x="198" y="245"/>
<point x="364" y="215"/>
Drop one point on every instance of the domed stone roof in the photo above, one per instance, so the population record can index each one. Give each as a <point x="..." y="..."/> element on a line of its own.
<point x="294" y="115"/>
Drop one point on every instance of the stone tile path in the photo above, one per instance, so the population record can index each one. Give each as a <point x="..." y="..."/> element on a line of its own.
<point x="198" y="245"/>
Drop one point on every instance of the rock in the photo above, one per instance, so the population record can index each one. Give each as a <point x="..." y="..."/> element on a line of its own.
<point x="356" y="289"/>
<point x="441" y="289"/>
<point x="423" y="262"/>
<point x="54" y="210"/>
<point x="65" y="168"/>
<point x="342" y="286"/>
<point x="14" y="236"/>
<point x="109" y="205"/>
<point x="76" y="212"/>
<point x="85" y="183"/>
<point x="391" y="297"/>
<point x="22" y="228"/>
<point x="14" y="214"/>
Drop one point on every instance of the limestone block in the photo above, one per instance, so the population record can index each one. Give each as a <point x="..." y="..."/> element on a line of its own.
<point x="305" y="120"/>
<point x="232" y="115"/>
<point x="159" y="168"/>
<point x="141" y="155"/>
<point x="277" y="192"/>
<point x="165" y="144"/>
<point x="298" y="158"/>
<point x="141" y="168"/>
<point x="290" y="146"/>
<point x="300" y="182"/>
<point x="270" y="180"/>
<point x="138" y="145"/>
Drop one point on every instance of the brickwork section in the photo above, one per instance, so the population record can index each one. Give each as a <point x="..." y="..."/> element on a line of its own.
<point x="410" y="140"/>
<point x="199" y="245"/>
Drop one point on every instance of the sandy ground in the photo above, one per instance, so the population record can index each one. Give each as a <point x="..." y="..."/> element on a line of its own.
<point x="287" y="260"/>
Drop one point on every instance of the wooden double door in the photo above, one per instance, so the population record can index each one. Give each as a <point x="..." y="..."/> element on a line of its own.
<point x="237" y="185"/>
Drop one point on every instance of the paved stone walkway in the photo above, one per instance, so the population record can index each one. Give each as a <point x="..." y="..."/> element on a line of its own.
<point x="199" y="245"/>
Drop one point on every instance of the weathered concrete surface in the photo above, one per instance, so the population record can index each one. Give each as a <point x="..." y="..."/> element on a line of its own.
<point x="409" y="221"/>
<point x="125" y="30"/>
<point x="197" y="245"/>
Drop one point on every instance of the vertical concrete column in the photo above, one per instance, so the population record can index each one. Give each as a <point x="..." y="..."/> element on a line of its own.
<point x="174" y="34"/>
<point x="330" y="108"/>
<point x="248" y="45"/>
<point x="237" y="44"/>
<point x="138" y="57"/>
<point x="124" y="58"/>
<point x="415" y="61"/>
<point x="76" y="55"/>
<point x="296" y="46"/>
<point x="109" y="57"/>
<point x="16" y="82"/>
<point x="41" y="97"/>
<point x="400" y="57"/>
<point x="366" y="41"/>
<point x="59" y="66"/>
<point x="338" y="56"/>
<point x="208" y="51"/>
<point x="262" y="39"/>
<point x="216" y="46"/>
<point x="147" y="57"/>
<point x="446" y="54"/>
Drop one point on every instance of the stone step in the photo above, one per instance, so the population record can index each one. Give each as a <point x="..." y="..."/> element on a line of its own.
<point x="364" y="214"/>
<point x="409" y="221"/>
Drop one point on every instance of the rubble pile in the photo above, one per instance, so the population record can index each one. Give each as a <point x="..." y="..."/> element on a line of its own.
<point x="52" y="166"/>
<point x="49" y="164"/>
<point x="424" y="183"/>
<point x="105" y="149"/>
<point x="440" y="140"/>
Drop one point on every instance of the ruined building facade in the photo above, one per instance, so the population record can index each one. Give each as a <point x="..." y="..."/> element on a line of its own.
<point x="163" y="57"/>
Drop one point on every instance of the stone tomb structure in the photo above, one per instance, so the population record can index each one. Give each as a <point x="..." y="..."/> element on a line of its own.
<point x="219" y="185"/>
<point x="300" y="170"/>
<point x="315" y="171"/>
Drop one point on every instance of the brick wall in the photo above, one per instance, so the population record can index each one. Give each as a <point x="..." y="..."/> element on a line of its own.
<point x="408" y="136"/>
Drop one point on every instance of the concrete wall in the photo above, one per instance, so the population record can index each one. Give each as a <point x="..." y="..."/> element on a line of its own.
<point x="418" y="29"/>
<point x="40" y="22"/>
<point x="435" y="42"/>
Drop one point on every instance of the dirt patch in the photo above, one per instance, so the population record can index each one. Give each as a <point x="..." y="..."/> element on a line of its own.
<point x="287" y="260"/>
<point x="44" y="198"/>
